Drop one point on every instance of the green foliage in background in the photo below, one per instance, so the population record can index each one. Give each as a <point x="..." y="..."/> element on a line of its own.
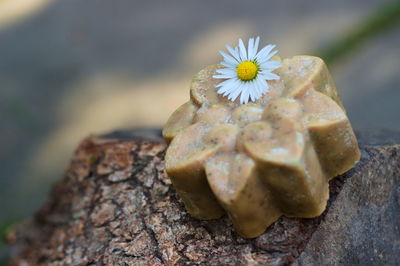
<point x="5" y="227"/>
<point x="385" y="18"/>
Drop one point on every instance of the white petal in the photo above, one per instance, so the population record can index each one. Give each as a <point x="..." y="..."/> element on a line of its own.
<point x="253" y="97"/>
<point x="242" y="49"/>
<point x="232" y="74"/>
<point x="257" y="89"/>
<point x="271" y="54"/>
<point x="224" y="63"/>
<point x="226" y="86"/>
<point x="237" y="51"/>
<point x="253" y="92"/>
<point x="224" y="83"/>
<point x="222" y="77"/>
<point x="236" y="92"/>
<point x="256" y="43"/>
<point x="234" y="52"/>
<point x="269" y="76"/>
<point x="226" y="71"/>
<point x="263" y="53"/>
<point x="270" y="65"/>
<point x="236" y="83"/>
<point x="244" y="97"/>
<point x="263" y="85"/>
<point x="223" y="89"/>
<point x="250" y="51"/>
<point x="229" y="59"/>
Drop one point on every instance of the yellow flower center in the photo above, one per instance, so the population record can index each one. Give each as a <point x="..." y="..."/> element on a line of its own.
<point x="247" y="70"/>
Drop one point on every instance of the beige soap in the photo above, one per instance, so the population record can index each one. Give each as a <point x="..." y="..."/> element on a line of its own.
<point x="260" y="160"/>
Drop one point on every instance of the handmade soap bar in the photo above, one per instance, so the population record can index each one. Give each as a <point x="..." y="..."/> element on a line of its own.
<point x="260" y="160"/>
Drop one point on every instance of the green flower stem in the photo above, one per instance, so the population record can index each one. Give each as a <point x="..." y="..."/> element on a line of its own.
<point x="382" y="20"/>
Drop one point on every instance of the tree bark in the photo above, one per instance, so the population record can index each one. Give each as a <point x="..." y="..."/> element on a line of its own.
<point x="116" y="206"/>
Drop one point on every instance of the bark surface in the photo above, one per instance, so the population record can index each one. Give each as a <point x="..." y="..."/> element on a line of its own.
<point x="116" y="206"/>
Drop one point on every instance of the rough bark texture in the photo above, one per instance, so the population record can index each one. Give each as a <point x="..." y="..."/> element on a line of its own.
<point x="115" y="206"/>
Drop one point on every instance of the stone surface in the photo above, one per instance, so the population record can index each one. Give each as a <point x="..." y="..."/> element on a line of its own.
<point x="362" y="226"/>
<point x="115" y="206"/>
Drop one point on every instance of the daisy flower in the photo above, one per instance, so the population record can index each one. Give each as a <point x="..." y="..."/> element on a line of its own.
<point x="246" y="72"/>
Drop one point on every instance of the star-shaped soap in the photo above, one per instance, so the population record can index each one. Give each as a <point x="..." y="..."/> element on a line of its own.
<point x="262" y="157"/>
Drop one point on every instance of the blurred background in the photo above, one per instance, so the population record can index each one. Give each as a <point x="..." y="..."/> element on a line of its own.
<point x="71" y="68"/>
